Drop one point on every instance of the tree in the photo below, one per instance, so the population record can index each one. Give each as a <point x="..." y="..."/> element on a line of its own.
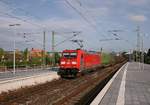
<point x="25" y="54"/>
<point x="148" y="53"/>
<point x="57" y="57"/>
<point x="125" y="55"/>
<point x="148" y="57"/>
<point x="1" y="54"/>
<point x="48" y="60"/>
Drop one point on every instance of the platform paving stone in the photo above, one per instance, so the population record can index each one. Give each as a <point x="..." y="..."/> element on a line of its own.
<point x="137" y="86"/>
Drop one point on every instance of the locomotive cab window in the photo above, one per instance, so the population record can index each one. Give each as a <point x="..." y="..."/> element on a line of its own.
<point x="66" y="55"/>
<point x="70" y="55"/>
<point x="73" y="55"/>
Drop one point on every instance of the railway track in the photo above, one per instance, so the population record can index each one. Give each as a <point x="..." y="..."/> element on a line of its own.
<point x="62" y="91"/>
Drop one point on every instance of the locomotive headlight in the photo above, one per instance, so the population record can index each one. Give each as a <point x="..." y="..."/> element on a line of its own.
<point x="74" y="63"/>
<point x="62" y="62"/>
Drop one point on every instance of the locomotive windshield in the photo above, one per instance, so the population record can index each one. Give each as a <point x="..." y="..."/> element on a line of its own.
<point x="70" y="55"/>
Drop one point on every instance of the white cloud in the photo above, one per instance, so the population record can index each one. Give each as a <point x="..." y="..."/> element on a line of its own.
<point x="99" y="11"/>
<point x="56" y="24"/>
<point x="70" y="21"/>
<point x="4" y="7"/>
<point x="138" y="2"/>
<point x="137" y="18"/>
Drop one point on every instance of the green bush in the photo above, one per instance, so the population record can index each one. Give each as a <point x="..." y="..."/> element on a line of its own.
<point x="106" y="58"/>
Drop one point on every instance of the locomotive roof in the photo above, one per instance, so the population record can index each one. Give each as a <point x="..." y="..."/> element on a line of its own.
<point x="91" y="52"/>
<point x="67" y="50"/>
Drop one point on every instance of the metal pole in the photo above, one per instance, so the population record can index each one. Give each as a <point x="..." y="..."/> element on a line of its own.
<point x="129" y="55"/>
<point x="138" y="46"/>
<point x="53" y="42"/>
<point x="14" y="50"/>
<point x="53" y="48"/>
<point x="14" y="57"/>
<point x="101" y="49"/>
<point x="142" y="52"/>
<point x="44" y="49"/>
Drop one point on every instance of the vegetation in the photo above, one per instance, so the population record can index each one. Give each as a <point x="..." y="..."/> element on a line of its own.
<point x="147" y="57"/>
<point x="23" y="59"/>
<point x="136" y="56"/>
<point x="106" y="58"/>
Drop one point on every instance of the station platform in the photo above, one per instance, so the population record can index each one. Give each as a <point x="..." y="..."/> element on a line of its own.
<point x="10" y="81"/>
<point x="9" y="75"/>
<point x="129" y="86"/>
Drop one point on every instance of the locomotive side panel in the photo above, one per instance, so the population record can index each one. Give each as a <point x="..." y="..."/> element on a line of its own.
<point x="91" y="60"/>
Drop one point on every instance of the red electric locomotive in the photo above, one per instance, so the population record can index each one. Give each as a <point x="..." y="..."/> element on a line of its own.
<point x="74" y="61"/>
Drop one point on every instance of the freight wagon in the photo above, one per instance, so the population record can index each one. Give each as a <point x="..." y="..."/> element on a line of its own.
<point x="74" y="62"/>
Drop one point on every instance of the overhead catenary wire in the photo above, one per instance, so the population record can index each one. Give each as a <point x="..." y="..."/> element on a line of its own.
<point x="43" y="26"/>
<point x="27" y="13"/>
<point x="65" y="40"/>
<point x="38" y="25"/>
<point x="19" y="18"/>
<point x="63" y="34"/>
<point x="109" y="39"/>
<point x="24" y="20"/>
<point x="19" y="9"/>
<point x="91" y="16"/>
<point x="117" y="36"/>
<point x="28" y="40"/>
<point x="84" y="18"/>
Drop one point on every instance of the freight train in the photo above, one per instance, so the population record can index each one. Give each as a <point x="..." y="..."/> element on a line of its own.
<point x="74" y="62"/>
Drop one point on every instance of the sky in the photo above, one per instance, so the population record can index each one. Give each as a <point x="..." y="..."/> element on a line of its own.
<point x="94" y="19"/>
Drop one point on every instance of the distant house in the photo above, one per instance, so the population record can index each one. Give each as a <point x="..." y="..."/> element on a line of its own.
<point x="36" y="52"/>
<point x="9" y="55"/>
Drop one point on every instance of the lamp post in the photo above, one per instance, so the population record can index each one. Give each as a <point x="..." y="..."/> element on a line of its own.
<point x="14" y="50"/>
